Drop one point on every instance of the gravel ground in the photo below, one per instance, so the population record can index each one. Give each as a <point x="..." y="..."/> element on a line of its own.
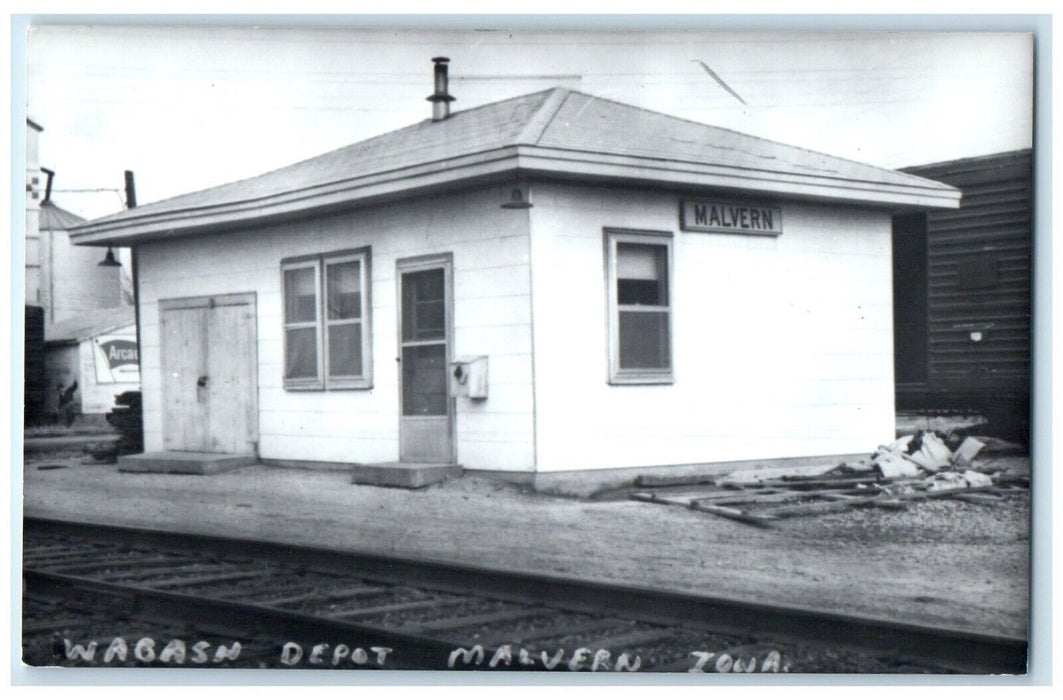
<point x="939" y="562"/>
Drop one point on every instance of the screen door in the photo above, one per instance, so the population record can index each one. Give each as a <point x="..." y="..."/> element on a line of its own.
<point x="424" y="339"/>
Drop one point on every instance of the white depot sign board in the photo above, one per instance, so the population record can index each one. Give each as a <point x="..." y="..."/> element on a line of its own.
<point x="116" y="359"/>
<point x="711" y="216"/>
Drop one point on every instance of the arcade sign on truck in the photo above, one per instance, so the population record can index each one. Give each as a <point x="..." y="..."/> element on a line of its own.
<point x="116" y="359"/>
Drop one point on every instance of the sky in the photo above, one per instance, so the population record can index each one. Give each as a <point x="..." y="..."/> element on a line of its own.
<point x="187" y="108"/>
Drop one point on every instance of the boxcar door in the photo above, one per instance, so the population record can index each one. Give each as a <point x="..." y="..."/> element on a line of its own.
<point x="427" y="410"/>
<point x="210" y="374"/>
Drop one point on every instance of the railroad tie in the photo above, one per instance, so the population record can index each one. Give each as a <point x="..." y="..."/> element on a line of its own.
<point x="205" y="579"/>
<point x="558" y="630"/>
<point x="324" y="596"/>
<point x="625" y="640"/>
<point x="141" y="564"/>
<point x="480" y="619"/>
<point x="146" y="574"/>
<point x="30" y="557"/>
<point x="62" y="624"/>
<point x="392" y="607"/>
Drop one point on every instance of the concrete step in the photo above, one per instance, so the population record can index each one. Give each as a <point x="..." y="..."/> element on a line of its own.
<point x="409" y="475"/>
<point x="184" y="462"/>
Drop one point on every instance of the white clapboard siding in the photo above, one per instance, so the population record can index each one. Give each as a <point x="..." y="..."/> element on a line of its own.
<point x="782" y="347"/>
<point x="492" y="317"/>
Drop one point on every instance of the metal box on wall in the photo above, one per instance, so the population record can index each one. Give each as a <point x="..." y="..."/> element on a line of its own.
<point x="468" y="378"/>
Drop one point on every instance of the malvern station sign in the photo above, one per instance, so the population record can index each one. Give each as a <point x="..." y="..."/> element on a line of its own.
<point x="730" y="217"/>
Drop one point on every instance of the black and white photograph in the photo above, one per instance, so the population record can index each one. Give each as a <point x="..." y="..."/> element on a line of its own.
<point x="475" y="347"/>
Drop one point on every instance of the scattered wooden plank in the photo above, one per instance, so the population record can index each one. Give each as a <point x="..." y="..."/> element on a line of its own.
<point x="945" y="493"/>
<point x="758" y="519"/>
<point x="652" y="481"/>
<point x="889" y="504"/>
<point x="757" y="498"/>
<point x="834" y="506"/>
<point x="1012" y="480"/>
<point x="822" y="496"/>
<point x="840" y="481"/>
<point x="979" y="498"/>
<point x="818" y="507"/>
<point x="730" y="513"/>
<point x="743" y="486"/>
<point x="706" y="492"/>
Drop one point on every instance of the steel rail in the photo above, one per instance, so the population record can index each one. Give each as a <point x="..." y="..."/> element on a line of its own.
<point x="963" y="650"/>
<point x="406" y="651"/>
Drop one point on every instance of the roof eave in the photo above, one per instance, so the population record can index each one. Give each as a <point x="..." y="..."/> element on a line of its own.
<point x="133" y="227"/>
<point x="789" y="185"/>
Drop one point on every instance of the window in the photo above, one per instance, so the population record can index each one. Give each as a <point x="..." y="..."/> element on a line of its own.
<point x="638" y="266"/>
<point x="326" y="321"/>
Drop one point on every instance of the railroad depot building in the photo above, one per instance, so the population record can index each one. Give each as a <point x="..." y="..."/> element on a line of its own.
<point x="543" y="285"/>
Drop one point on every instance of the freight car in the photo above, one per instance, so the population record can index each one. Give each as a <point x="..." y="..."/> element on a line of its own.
<point x="33" y="396"/>
<point x="962" y="295"/>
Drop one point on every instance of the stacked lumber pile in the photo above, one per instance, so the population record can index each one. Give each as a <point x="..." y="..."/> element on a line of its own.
<point x="127" y="419"/>
<point x="914" y="468"/>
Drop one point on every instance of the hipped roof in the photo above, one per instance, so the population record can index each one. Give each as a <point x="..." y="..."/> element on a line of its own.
<point x="555" y="133"/>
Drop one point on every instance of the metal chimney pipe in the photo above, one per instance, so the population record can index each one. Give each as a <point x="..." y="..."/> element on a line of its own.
<point x="48" y="186"/>
<point x="130" y="191"/>
<point x="440" y="99"/>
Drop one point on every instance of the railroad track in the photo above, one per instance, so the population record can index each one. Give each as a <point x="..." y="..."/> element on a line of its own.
<point x="195" y="599"/>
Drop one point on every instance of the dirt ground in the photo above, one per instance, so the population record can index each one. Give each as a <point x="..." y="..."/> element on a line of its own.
<point x="940" y="562"/>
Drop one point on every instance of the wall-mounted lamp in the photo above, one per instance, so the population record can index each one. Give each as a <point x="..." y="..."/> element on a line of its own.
<point x="519" y="197"/>
<point x="109" y="260"/>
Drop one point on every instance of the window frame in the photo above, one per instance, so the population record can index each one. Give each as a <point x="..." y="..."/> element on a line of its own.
<point x="320" y="263"/>
<point x="618" y="375"/>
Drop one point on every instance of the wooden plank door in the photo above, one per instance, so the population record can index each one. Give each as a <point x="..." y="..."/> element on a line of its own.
<point x="232" y="376"/>
<point x="210" y="374"/>
<point x="185" y="413"/>
<point x="425" y="330"/>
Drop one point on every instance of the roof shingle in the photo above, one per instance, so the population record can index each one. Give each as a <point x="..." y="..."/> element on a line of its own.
<point x="556" y="131"/>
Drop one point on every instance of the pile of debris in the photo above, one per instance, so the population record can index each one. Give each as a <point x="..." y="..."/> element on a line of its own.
<point x="914" y="468"/>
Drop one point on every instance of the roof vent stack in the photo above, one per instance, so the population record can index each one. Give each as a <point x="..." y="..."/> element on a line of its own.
<point x="440" y="99"/>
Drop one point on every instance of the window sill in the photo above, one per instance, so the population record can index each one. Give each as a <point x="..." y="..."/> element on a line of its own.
<point x="334" y="385"/>
<point x="303" y="385"/>
<point x="349" y="384"/>
<point x="642" y="378"/>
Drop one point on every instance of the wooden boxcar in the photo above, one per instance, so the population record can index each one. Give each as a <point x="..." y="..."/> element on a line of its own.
<point x="33" y="397"/>
<point x="962" y="294"/>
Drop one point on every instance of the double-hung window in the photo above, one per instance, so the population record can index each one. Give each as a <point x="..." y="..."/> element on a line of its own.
<point x="326" y="321"/>
<point x="638" y="268"/>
